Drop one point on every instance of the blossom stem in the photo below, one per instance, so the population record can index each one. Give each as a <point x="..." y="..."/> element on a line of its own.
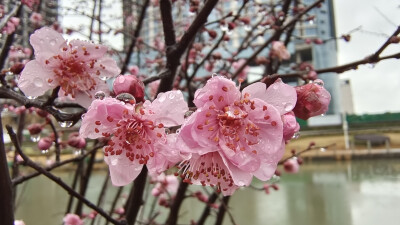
<point x="222" y="209"/>
<point x="206" y="212"/>
<point x="176" y="205"/>
<point x="135" y="200"/>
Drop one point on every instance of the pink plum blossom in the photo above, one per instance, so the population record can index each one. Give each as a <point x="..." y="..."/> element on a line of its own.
<point x="30" y="3"/>
<point x="129" y="84"/>
<point x="279" y="50"/>
<point x="72" y="219"/>
<point x="232" y="135"/>
<point x="11" y="25"/>
<point x="136" y="132"/>
<point x="312" y="100"/>
<point x="78" y="67"/>
<point x="245" y="71"/>
<point x="134" y="70"/>
<point x="167" y="185"/>
<point x="291" y="165"/>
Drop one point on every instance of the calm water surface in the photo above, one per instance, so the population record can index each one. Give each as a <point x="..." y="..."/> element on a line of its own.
<point x="365" y="192"/>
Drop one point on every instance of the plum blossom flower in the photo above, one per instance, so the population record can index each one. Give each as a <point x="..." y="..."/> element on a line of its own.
<point x="167" y="185"/>
<point x="232" y="135"/>
<point x="312" y="100"/>
<point x="78" y="67"/>
<point x="72" y="219"/>
<point x="36" y="18"/>
<point x="279" y="50"/>
<point x="11" y="25"/>
<point x="136" y="132"/>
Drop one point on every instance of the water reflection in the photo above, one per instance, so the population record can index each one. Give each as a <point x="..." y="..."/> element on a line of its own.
<point x="323" y="193"/>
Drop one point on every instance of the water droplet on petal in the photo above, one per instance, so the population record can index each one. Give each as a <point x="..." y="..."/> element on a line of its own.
<point x="114" y="161"/>
<point x="104" y="78"/>
<point x="38" y="82"/>
<point x="322" y="149"/>
<point x="178" y="131"/>
<point x="167" y="131"/>
<point x="126" y="98"/>
<point x="171" y="95"/>
<point x="31" y="97"/>
<point x="35" y="137"/>
<point x="319" y="82"/>
<point x="296" y="135"/>
<point x="52" y="42"/>
<point x="100" y="95"/>
<point x="188" y="113"/>
<point x="65" y="124"/>
<point x="288" y="107"/>
<point x="161" y="97"/>
<point x="322" y="114"/>
<point x="83" y="115"/>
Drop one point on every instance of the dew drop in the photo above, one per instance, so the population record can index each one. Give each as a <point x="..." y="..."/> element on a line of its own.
<point x="100" y="95"/>
<point x="171" y="95"/>
<point x="322" y="149"/>
<point x="288" y="107"/>
<point x="126" y="98"/>
<point x="103" y="78"/>
<point x="322" y="114"/>
<point x="296" y="135"/>
<point x="178" y="131"/>
<point x="31" y="97"/>
<point x="83" y="116"/>
<point x="38" y="82"/>
<point x="114" y="161"/>
<point x="35" y="137"/>
<point x="161" y="97"/>
<point x="167" y="131"/>
<point x="65" y="124"/>
<point x="241" y="183"/>
<point x="52" y="42"/>
<point x="188" y="113"/>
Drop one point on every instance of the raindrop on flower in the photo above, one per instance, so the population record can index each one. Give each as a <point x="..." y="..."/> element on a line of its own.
<point x="171" y="95"/>
<point x="31" y="97"/>
<point x="161" y="97"/>
<point x="167" y="131"/>
<point x="65" y="124"/>
<point x="126" y="97"/>
<point x="52" y="42"/>
<point x="35" y="137"/>
<point x="296" y="135"/>
<point x="188" y="113"/>
<point x="100" y="95"/>
<point x="38" y="82"/>
<point x="288" y="107"/>
<point x="322" y="149"/>
<point x="319" y="82"/>
<point x="178" y="131"/>
<point x="322" y="114"/>
<point x="103" y="78"/>
<point x="78" y="152"/>
<point x="311" y="22"/>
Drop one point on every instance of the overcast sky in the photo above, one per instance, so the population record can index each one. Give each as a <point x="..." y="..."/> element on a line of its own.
<point x="377" y="89"/>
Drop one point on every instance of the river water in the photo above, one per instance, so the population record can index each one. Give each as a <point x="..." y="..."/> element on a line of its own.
<point x="363" y="192"/>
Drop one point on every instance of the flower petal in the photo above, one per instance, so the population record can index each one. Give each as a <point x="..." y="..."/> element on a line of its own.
<point x="282" y="96"/>
<point x="34" y="79"/>
<point x="86" y="98"/>
<point x="168" y="108"/>
<point x="122" y="170"/>
<point x="93" y="51"/>
<point x="218" y="90"/>
<point x="107" y="67"/>
<point x="47" y="43"/>
<point x="269" y="163"/>
<point x="102" y="111"/>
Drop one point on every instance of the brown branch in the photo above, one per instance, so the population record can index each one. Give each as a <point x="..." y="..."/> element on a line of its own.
<point x="222" y="209"/>
<point x="176" y="205"/>
<point x="56" y="143"/>
<point x="135" y="200"/>
<point x="135" y="36"/>
<point x="276" y="34"/>
<point x="22" y="179"/>
<point x="383" y="47"/>
<point x="57" y="180"/>
<point x="6" y="199"/>
<point x="309" y="148"/>
<point x="206" y="212"/>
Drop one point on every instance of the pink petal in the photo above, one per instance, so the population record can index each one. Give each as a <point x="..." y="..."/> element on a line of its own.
<point x="240" y="177"/>
<point x="47" y="43"/>
<point x="122" y="170"/>
<point x="85" y="99"/>
<point x="218" y="90"/>
<point x="282" y="96"/>
<point x="93" y="51"/>
<point x="100" y="110"/>
<point x="168" y="108"/>
<point x="256" y="90"/>
<point x="269" y="163"/>
<point x="34" y="79"/>
<point x="107" y="66"/>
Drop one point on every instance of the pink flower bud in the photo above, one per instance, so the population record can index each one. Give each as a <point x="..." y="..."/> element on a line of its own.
<point x="266" y="188"/>
<point x="312" y="75"/>
<point x="41" y="113"/>
<point x="75" y="141"/>
<point x="134" y="70"/>
<point x="290" y="125"/>
<point x="279" y="50"/>
<point x="291" y="165"/>
<point x="36" y="18"/>
<point x="318" y="41"/>
<point x="312" y="100"/>
<point x="212" y="33"/>
<point x="72" y="219"/>
<point x="129" y="84"/>
<point x="35" y="128"/>
<point x="45" y="143"/>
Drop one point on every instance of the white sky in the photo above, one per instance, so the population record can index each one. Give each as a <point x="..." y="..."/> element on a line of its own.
<point x="375" y="90"/>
